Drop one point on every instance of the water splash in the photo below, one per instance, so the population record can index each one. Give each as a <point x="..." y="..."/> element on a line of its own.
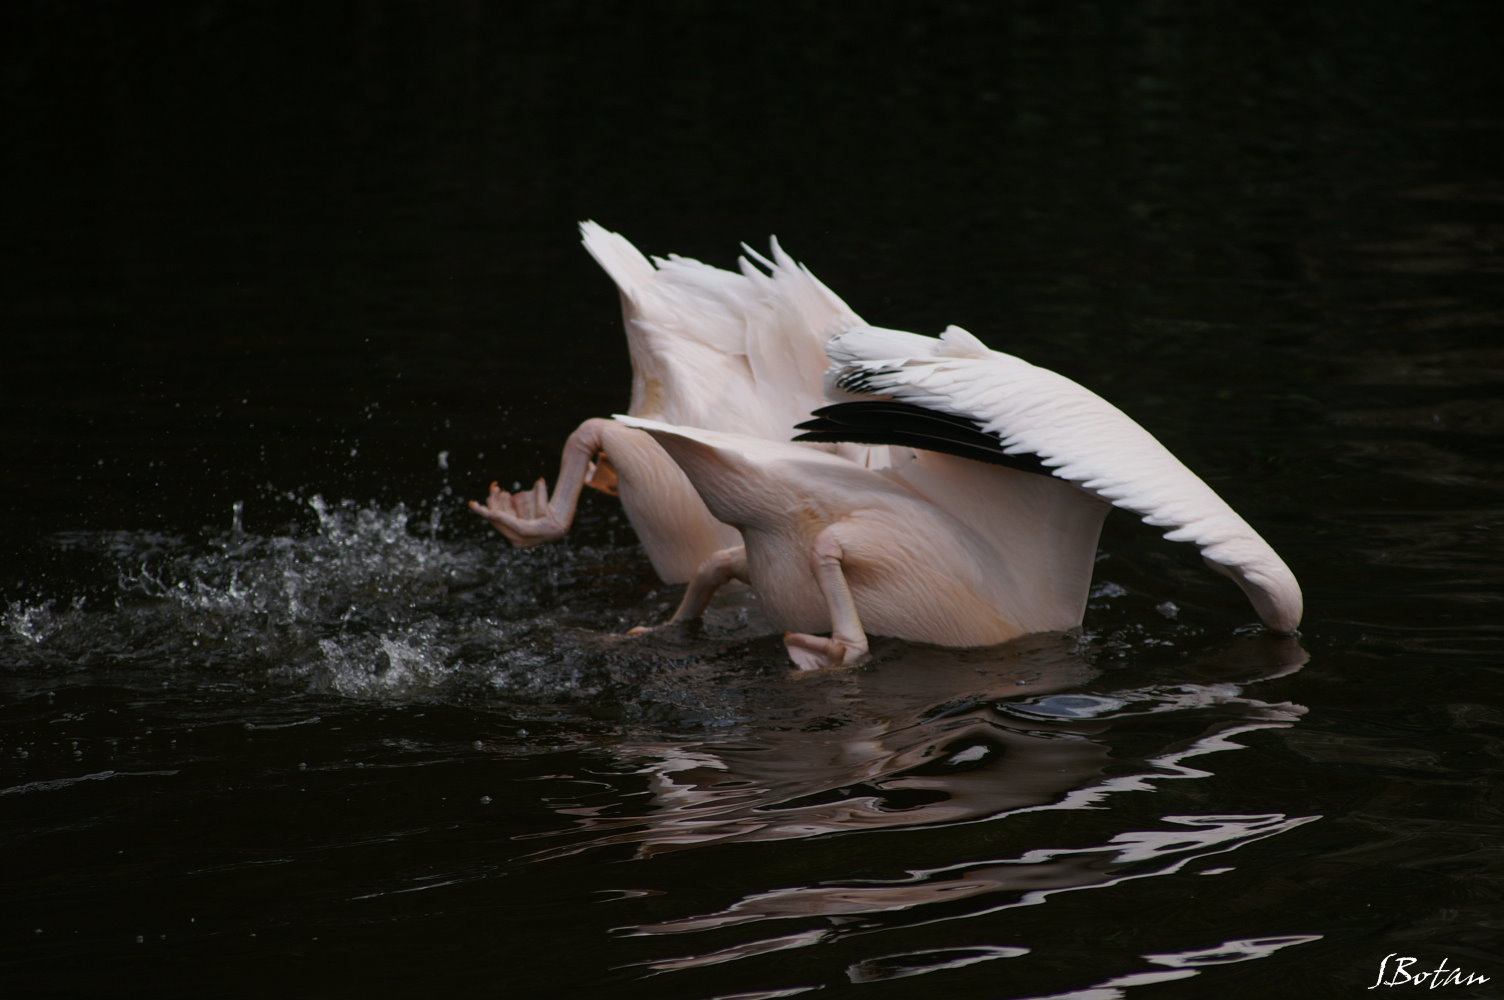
<point x="32" y="622"/>
<point x="374" y="602"/>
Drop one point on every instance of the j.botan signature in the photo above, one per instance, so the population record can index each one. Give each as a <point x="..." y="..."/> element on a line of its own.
<point x="1394" y="970"/>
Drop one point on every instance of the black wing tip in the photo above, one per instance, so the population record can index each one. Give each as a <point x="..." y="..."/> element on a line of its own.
<point x="861" y="379"/>
<point x="875" y="422"/>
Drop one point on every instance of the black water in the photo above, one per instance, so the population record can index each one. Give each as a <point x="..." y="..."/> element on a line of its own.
<point x="283" y="284"/>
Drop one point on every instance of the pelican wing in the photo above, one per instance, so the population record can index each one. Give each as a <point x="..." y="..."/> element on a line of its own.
<point x="1030" y="414"/>
<point x="731" y="350"/>
<point x="796" y="314"/>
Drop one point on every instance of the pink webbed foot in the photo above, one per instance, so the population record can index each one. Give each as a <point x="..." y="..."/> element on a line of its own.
<point x="815" y="652"/>
<point x="524" y="517"/>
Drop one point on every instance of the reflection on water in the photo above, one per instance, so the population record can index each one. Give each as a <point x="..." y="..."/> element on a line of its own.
<point x="939" y="737"/>
<point x="924" y="740"/>
<point x="1185" y="965"/>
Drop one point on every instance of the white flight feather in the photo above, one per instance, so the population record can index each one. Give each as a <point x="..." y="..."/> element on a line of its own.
<point x="1079" y="436"/>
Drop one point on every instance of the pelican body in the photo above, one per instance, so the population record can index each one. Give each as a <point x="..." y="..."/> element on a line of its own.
<point x="986" y="534"/>
<point x="832" y="546"/>
<point x="948" y="493"/>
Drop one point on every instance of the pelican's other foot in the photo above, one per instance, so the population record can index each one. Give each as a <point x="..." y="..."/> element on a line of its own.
<point x="847" y="645"/>
<point x="524" y="517"/>
<point x="816" y="652"/>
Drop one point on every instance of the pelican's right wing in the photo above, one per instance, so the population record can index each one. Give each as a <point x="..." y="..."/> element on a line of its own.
<point x="953" y="394"/>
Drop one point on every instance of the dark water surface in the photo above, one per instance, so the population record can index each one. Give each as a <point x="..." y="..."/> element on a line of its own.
<point x="282" y="286"/>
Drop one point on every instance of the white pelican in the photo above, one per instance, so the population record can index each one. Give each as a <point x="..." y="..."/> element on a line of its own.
<point x="958" y="551"/>
<point x="710" y="348"/>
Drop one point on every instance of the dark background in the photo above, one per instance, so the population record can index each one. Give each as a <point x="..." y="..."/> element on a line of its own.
<point x="256" y="254"/>
<point x="313" y="245"/>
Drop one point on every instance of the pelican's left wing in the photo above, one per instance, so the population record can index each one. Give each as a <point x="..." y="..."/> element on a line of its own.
<point x="954" y="395"/>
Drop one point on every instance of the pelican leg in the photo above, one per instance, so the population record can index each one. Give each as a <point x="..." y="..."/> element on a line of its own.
<point x="530" y="517"/>
<point x="718" y="569"/>
<point x="847" y="644"/>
